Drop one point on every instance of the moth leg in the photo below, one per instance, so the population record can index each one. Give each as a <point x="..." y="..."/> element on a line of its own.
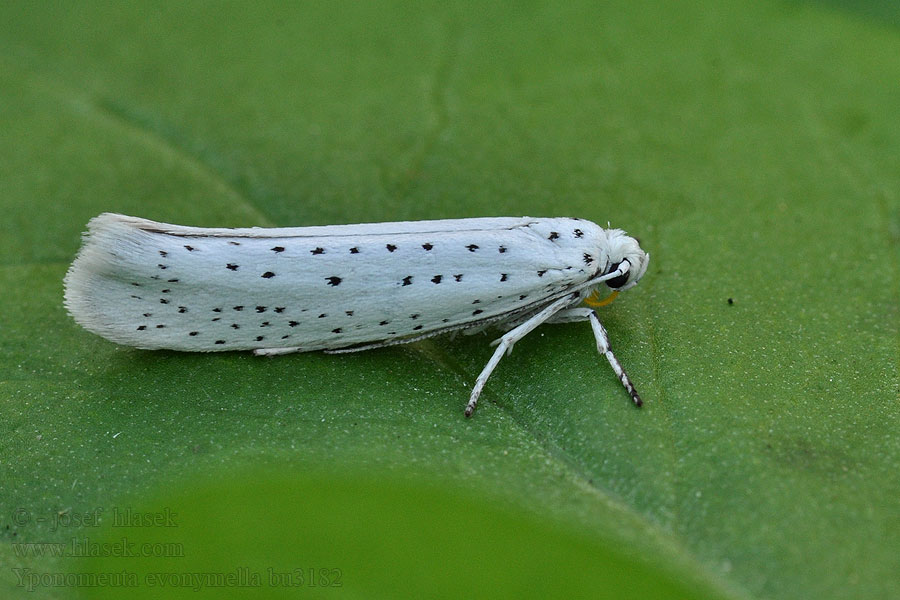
<point x="506" y="342"/>
<point x="275" y="351"/>
<point x="587" y="314"/>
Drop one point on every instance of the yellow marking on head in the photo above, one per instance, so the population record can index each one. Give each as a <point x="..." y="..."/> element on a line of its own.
<point x="594" y="299"/>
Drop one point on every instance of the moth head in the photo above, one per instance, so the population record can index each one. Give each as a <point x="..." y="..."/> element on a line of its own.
<point x="626" y="256"/>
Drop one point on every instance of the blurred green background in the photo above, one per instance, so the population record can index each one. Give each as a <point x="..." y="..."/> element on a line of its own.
<point x="753" y="148"/>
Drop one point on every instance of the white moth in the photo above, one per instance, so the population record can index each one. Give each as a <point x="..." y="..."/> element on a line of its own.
<point x="345" y="288"/>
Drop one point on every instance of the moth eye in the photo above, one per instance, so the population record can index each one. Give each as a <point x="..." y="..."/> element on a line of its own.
<point x="616" y="282"/>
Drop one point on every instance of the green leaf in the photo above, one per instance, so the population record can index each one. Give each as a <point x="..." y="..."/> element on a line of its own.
<point x="751" y="146"/>
<point x="368" y="537"/>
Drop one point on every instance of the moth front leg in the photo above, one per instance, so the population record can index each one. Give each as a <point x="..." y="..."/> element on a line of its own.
<point x="572" y="315"/>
